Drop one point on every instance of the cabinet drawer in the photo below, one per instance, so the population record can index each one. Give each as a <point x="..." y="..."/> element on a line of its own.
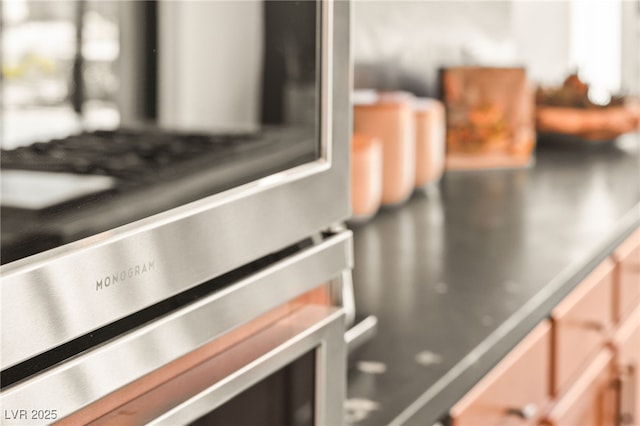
<point x="515" y="391"/>
<point x="627" y="277"/>
<point x="591" y="399"/>
<point x="582" y="322"/>
<point x="627" y="343"/>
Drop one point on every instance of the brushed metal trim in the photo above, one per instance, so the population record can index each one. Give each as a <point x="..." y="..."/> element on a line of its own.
<point x="51" y="296"/>
<point x="84" y="379"/>
<point x="313" y="328"/>
<point x="361" y="333"/>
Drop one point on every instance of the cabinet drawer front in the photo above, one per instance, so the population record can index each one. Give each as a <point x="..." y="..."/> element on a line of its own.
<point x="515" y="391"/>
<point x="627" y="283"/>
<point x="591" y="400"/>
<point x="582" y="322"/>
<point x="627" y="339"/>
<point x="627" y="343"/>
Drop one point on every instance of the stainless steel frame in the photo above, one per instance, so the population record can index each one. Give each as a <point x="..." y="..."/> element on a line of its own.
<point x="54" y="296"/>
<point x="84" y="379"/>
<point x="316" y="328"/>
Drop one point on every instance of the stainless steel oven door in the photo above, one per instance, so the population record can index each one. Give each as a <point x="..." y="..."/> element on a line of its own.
<point x="77" y="383"/>
<point x="312" y="329"/>
<point x="198" y="395"/>
<point x="58" y="295"/>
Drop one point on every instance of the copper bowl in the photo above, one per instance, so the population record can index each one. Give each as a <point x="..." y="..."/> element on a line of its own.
<point x="589" y="124"/>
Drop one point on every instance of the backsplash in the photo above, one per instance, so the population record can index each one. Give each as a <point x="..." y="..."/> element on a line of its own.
<point x="401" y="45"/>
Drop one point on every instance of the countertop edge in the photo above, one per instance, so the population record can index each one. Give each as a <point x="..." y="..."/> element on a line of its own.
<point x="435" y="402"/>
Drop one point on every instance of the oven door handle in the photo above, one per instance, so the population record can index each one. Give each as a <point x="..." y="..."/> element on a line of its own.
<point x="313" y="327"/>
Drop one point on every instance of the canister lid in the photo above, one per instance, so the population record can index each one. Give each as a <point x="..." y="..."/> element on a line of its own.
<point x="395" y="97"/>
<point x="383" y="99"/>
<point x="364" y="97"/>
<point x="422" y="105"/>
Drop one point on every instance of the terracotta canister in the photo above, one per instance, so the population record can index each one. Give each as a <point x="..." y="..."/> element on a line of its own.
<point x="430" y="141"/>
<point x="366" y="176"/>
<point x="391" y="118"/>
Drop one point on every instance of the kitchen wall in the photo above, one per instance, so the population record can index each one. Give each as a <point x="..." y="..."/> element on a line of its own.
<point x="631" y="46"/>
<point x="542" y="34"/>
<point x="596" y="47"/>
<point x="401" y="44"/>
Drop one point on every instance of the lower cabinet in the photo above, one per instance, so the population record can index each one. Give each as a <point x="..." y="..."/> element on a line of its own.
<point x="627" y="344"/>
<point x="580" y="368"/>
<point x="627" y="288"/>
<point x="581" y="324"/>
<point x="500" y="398"/>
<point x="592" y="398"/>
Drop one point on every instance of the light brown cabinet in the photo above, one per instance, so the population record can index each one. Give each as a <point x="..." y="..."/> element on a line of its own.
<point x="627" y="343"/>
<point x="627" y="283"/>
<point x="499" y="399"/>
<point x="591" y="399"/>
<point x="588" y="355"/>
<point x="581" y="324"/>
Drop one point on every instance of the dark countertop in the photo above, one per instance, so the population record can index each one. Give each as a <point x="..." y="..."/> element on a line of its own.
<point x="458" y="276"/>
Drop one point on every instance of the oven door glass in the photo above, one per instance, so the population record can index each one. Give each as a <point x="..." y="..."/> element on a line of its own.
<point x="286" y="398"/>
<point x="115" y="111"/>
